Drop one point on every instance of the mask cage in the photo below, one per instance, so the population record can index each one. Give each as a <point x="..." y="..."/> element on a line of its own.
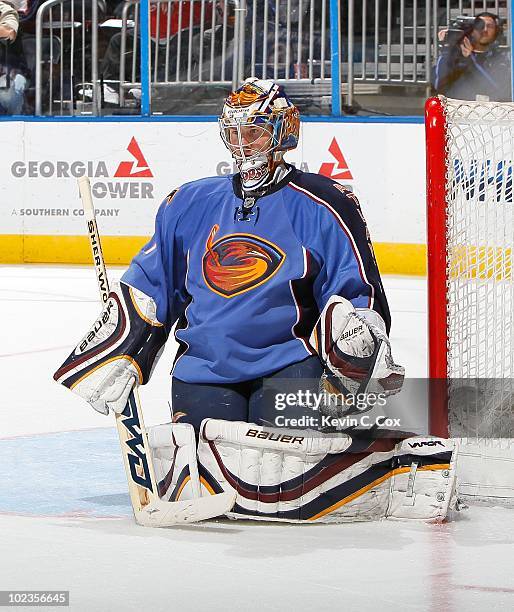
<point x="232" y="135"/>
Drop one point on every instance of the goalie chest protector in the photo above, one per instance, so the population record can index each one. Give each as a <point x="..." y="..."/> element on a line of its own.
<point x="247" y="289"/>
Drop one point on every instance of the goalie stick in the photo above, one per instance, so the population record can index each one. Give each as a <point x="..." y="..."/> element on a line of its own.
<point x="149" y="509"/>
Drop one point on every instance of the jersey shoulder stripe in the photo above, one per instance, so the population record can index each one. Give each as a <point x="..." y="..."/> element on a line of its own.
<point x="346" y="213"/>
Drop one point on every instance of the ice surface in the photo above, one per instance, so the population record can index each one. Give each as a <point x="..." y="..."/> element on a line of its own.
<point x="65" y="516"/>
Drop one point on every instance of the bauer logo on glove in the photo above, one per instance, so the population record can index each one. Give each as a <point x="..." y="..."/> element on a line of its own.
<point x="355" y="351"/>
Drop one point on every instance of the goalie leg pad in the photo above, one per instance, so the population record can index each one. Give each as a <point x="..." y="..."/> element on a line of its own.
<point x="294" y="476"/>
<point x="304" y="476"/>
<point x="173" y="448"/>
<point x="423" y="483"/>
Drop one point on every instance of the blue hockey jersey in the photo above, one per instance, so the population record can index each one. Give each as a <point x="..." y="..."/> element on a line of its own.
<point x="247" y="289"/>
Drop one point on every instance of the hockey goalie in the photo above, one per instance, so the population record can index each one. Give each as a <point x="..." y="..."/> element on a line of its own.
<point x="268" y="276"/>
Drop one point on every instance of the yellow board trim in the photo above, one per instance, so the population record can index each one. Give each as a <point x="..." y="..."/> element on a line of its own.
<point x="483" y="262"/>
<point x="118" y="250"/>
<point x="401" y="258"/>
<point x="392" y="257"/>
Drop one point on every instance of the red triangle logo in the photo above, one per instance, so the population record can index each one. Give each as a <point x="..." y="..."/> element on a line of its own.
<point x="131" y="169"/>
<point x="339" y="170"/>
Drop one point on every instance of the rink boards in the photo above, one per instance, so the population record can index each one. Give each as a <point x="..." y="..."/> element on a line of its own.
<point x="134" y="165"/>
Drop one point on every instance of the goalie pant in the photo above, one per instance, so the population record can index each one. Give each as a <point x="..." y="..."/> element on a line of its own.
<point x="303" y="476"/>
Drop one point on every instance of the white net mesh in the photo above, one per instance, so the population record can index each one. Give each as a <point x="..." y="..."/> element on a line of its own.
<point x="480" y="244"/>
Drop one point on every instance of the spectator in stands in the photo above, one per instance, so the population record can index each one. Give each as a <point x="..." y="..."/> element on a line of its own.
<point x="9" y="21"/>
<point x="163" y="25"/>
<point x="472" y="63"/>
<point x="13" y="68"/>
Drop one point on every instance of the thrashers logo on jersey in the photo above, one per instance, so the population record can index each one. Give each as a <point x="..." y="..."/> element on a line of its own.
<point x="237" y="263"/>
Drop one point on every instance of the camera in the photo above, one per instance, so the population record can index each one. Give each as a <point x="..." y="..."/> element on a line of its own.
<point x="460" y="28"/>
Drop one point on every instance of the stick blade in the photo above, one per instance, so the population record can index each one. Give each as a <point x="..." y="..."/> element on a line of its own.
<point x="160" y="513"/>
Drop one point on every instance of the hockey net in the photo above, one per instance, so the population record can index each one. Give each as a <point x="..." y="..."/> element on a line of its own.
<point x="470" y="222"/>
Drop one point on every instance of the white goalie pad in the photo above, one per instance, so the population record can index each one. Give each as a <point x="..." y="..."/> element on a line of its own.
<point x="424" y="482"/>
<point x="173" y="448"/>
<point x="306" y="476"/>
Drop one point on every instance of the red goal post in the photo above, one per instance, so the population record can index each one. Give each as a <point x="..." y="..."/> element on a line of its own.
<point x="470" y="246"/>
<point x="436" y="160"/>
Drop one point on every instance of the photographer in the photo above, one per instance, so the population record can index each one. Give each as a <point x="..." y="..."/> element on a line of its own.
<point x="13" y="68"/>
<point x="471" y="63"/>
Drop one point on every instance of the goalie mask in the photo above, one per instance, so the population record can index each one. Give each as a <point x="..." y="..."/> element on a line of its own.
<point x="257" y="125"/>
